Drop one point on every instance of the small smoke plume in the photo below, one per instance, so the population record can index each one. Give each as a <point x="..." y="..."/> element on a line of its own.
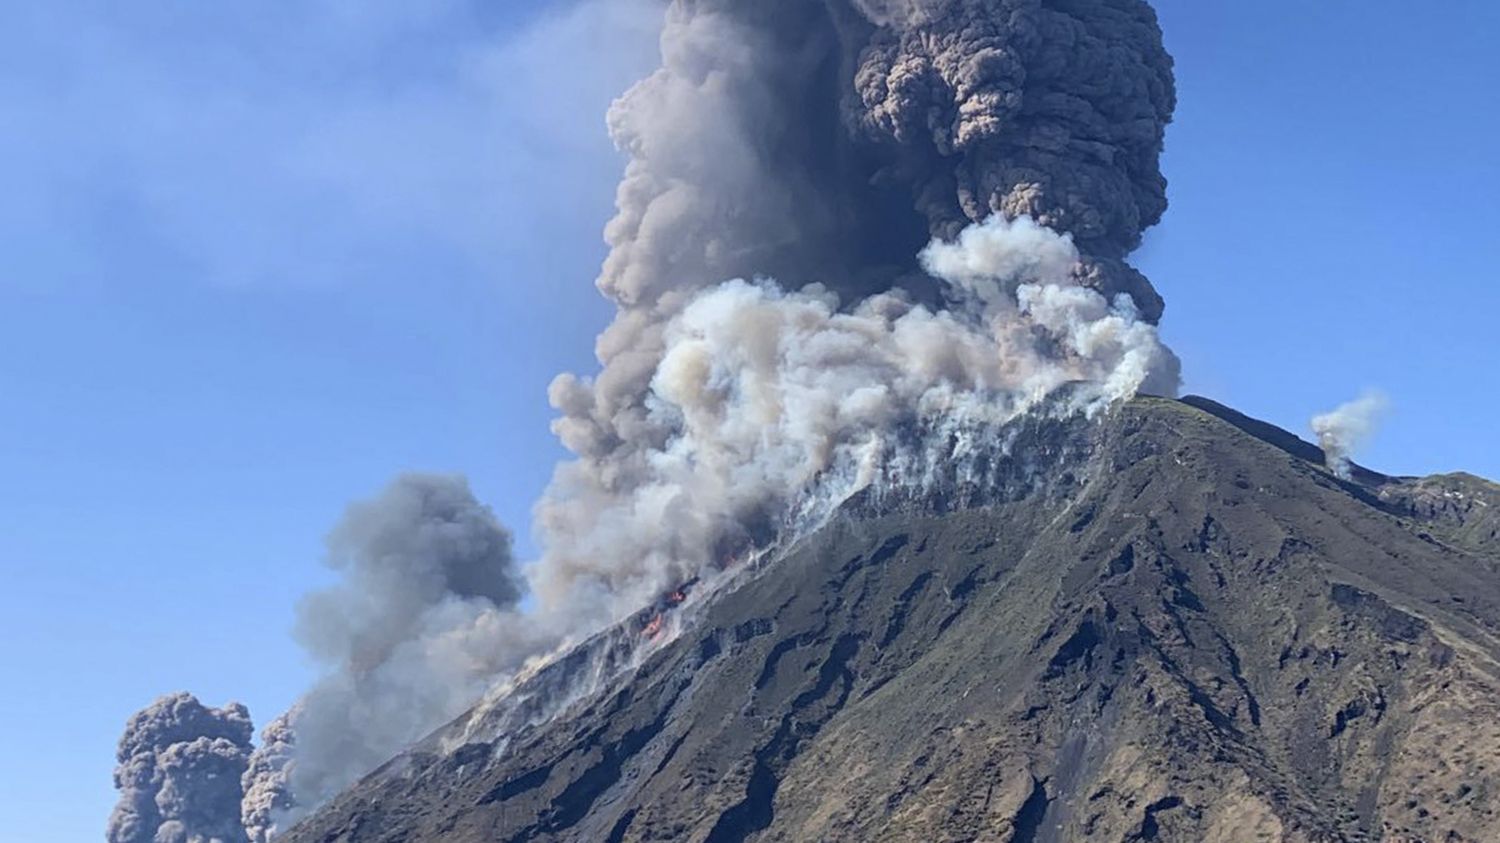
<point x="179" y="771"/>
<point x="1347" y="428"/>
<point x="421" y="621"/>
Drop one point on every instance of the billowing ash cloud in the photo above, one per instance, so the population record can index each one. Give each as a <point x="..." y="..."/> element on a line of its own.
<point x="419" y="623"/>
<point x="854" y="240"/>
<point x="824" y="141"/>
<point x="179" y="771"/>
<point x="1051" y="110"/>
<point x="827" y="143"/>
<point x="767" y="403"/>
<point x="268" y="797"/>
<point x="1344" y="430"/>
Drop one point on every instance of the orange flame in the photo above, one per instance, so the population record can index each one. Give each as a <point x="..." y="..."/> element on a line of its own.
<point x="653" y="628"/>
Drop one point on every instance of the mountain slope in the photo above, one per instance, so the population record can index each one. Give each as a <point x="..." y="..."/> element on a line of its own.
<point x="1171" y="624"/>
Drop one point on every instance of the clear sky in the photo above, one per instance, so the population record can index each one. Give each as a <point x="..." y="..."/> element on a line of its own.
<point x="257" y="257"/>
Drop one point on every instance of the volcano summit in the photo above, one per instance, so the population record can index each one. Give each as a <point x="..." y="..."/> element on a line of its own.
<point x="1176" y="625"/>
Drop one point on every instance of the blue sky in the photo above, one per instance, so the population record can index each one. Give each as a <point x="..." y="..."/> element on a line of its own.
<point x="256" y="258"/>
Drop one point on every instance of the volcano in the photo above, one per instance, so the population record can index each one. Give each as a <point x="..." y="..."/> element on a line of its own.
<point x="1171" y="622"/>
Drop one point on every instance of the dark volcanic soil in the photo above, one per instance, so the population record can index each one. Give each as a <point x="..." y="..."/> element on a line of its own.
<point x="1190" y="632"/>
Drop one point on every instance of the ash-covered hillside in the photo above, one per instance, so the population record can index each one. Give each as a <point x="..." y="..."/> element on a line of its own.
<point x="1188" y="630"/>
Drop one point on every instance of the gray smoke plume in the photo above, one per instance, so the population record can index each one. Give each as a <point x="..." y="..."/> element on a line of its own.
<point x="829" y="143"/>
<point x="421" y="621"/>
<point x="1345" y="429"/>
<point x="1038" y="108"/>
<point x="179" y="771"/>
<point x="268" y="790"/>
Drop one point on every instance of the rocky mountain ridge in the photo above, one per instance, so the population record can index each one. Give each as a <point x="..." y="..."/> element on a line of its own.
<point x="1185" y="629"/>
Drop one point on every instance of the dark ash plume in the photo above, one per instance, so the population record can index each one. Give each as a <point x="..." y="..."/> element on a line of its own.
<point x="829" y="142"/>
<point x="420" y="623"/>
<point x="179" y="771"/>
<point x="1054" y="110"/>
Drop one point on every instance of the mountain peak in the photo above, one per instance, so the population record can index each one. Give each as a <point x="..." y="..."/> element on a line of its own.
<point x="1192" y="631"/>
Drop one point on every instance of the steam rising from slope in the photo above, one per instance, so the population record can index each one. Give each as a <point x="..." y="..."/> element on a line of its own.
<point x="767" y="402"/>
<point x="1347" y="428"/>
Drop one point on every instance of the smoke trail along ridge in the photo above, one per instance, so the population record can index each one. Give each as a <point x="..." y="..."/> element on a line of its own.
<point x="762" y="394"/>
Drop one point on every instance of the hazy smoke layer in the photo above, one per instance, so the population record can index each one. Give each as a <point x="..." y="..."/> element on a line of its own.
<point x="179" y="772"/>
<point x="1347" y="428"/>
<point x="419" y="624"/>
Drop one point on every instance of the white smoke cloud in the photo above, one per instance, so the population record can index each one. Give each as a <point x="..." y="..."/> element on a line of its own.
<point x="762" y="394"/>
<point x="1344" y="430"/>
